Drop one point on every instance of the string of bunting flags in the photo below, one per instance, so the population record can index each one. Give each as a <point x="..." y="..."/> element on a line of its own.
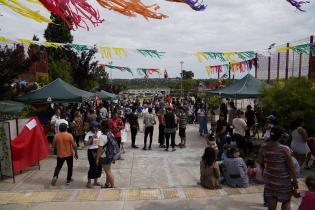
<point x="225" y="56"/>
<point x="105" y="51"/>
<point x="141" y="71"/>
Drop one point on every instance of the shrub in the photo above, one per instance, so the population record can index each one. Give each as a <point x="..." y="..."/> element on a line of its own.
<point x="290" y="100"/>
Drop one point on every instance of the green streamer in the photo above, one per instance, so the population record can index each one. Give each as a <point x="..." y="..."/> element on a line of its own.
<point x="151" y="53"/>
<point x="79" y="47"/>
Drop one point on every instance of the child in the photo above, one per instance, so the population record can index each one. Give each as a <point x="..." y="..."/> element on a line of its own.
<point x="308" y="197"/>
<point x="226" y="151"/>
<point x="209" y="170"/>
<point x="254" y="172"/>
<point x="211" y="142"/>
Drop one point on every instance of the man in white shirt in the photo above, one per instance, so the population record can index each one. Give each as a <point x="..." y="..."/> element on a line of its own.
<point x="103" y="112"/>
<point x="239" y="130"/>
<point x="59" y="121"/>
<point x="54" y="118"/>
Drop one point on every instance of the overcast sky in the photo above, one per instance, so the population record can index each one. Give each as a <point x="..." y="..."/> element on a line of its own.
<point x="226" y="25"/>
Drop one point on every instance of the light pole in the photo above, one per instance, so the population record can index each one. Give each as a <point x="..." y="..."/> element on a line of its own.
<point x="110" y="68"/>
<point x="181" y="81"/>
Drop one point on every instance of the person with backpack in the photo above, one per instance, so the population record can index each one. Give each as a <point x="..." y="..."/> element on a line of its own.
<point x="108" y="151"/>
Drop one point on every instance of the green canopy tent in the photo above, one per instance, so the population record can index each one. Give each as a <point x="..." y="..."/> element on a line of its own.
<point x="247" y="87"/>
<point x="104" y="95"/>
<point x="11" y="107"/>
<point x="57" y="91"/>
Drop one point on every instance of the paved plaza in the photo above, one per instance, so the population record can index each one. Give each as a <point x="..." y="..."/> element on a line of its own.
<point x="144" y="179"/>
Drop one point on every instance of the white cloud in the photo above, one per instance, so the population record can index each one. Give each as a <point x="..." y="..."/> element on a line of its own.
<point x="231" y="25"/>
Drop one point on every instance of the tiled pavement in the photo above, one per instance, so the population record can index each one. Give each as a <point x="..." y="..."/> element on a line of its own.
<point x="155" y="176"/>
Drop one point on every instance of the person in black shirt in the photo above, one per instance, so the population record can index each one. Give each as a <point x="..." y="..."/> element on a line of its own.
<point x="134" y="126"/>
<point x="221" y="131"/>
<point x="250" y="119"/>
<point x="170" y="128"/>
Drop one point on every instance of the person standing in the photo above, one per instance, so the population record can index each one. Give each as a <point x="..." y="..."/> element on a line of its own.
<point x="102" y="156"/>
<point x="148" y="122"/>
<point x="116" y="125"/>
<point x="161" y="114"/>
<point x="232" y="114"/>
<point x="134" y="126"/>
<point x="182" y="127"/>
<point x="66" y="149"/>
<point x="202" y="116"/>
<point x="92" y="140"/>
<point x="278" y="171"/>
<point x="240" y="126"/>
<point x="299" y="144"/>
<point x="103" y="112"/>
<point x="78" y="127"/>
<point x="220" y="134"/>
<point x="170" y="128"/>
<point x="250" y="119"/>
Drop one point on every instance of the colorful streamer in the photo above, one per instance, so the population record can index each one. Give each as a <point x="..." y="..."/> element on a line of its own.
<point x="25" y="41"/>
<point x="51" y="44"/>
<point x="194" y="4"/>
<point x="224" y="56"/>
<point x="79" y="47"/>
<point x="19" y="8"/>
<point x="78" y="11"/>
<point x="132" y="7"/>
<point x="120" y="52"/>
<point x="298" y="4"/>
<point x="120" y="68"/>
<point x="106" y="52"/>
<point x="151" y="53"/>
<point x="5" y="40"/>
<point x="302" y="48"/>
<point x="148" y="71"/>
<point x="234" y="67"/>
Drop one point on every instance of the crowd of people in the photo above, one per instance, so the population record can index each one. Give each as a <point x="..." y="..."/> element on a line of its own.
<point x="227" y="157"/>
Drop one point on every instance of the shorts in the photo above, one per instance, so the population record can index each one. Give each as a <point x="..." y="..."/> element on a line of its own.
<point x="182" y="132"/>
<point x="106" y="161"/>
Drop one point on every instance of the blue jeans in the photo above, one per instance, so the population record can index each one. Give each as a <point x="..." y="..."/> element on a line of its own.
<point x="221" y="142"/>
<point x="203" y="125"/>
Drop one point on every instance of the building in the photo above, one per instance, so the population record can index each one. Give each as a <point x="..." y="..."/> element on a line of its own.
<point x="148" y="91"/>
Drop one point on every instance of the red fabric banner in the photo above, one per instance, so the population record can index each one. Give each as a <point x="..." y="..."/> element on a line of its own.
<point x="30" y="146"/>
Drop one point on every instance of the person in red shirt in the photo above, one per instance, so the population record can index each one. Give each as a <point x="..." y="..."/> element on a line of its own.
<point x="308" y="197"/>
<point x="116" y="125"/>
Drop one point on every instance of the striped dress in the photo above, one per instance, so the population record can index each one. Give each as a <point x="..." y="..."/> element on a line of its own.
<point x="276" y="174"/>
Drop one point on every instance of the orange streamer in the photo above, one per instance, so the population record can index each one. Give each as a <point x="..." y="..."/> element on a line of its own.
<point x="132" y="7"/>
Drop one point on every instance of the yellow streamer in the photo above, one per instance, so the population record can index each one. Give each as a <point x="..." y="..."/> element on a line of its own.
<point x="19" y="8"/>
<point x="201" y="56"/>
<point x="106" y="52"/>
<point x="208" y="70"/>
<point x="25" y="41"/>
<point x="3" y="39"/>
<point x="120" y="52"/>
<point x="51" y="44"/>
<point x="282" y="49"/>
<point x="229" y="56"/>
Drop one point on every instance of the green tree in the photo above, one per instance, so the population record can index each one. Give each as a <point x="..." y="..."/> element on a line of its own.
<point x="58" y="31"/>
<point x="187" y="74"/>
<point x="60" y="69"/>
<point x="84" y="68"/>
<point x="290" y="100"/>
<point x="13" y="62"/>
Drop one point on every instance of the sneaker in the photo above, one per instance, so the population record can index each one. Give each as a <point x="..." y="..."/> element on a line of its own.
<point x="144" y="148"/>
<point x="173" y="149"/>
<point x="149" y="148"/>
<point x="166" y="150"/>
<point x="53" y="181"/>
<point x="89" y="185"/>
<point x="69" y="181"/>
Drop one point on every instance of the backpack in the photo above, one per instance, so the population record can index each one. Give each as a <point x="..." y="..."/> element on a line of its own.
<point x="112" y="150"/>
